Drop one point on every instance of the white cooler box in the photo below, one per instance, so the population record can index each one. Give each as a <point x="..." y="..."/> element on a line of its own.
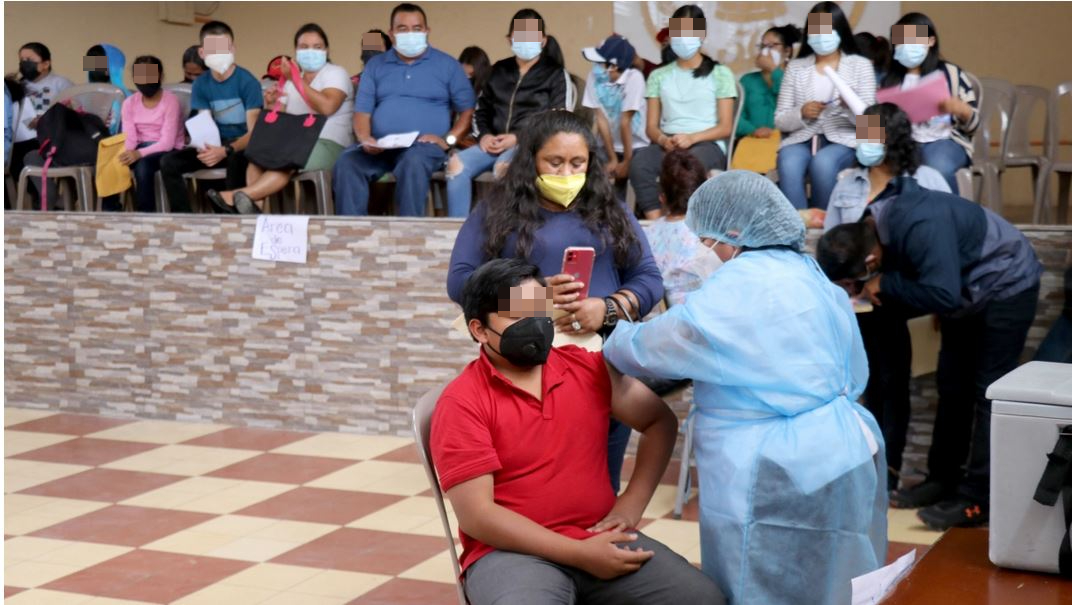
<point x="1030" y="406"/>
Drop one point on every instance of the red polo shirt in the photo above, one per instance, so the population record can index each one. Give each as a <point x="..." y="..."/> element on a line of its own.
<point x="548" y="458"/>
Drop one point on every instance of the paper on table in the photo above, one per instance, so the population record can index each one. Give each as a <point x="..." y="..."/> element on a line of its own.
<point x="921" y="101"/>
<point x="203" y="130"/>
<point x="848" y="96"/>
<point x="397" y="141"/>
<point x="592" y="342"/>
<point x="871" y="588"/>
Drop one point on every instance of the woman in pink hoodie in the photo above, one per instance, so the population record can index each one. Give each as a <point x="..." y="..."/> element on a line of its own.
<point x="152" y="121"/>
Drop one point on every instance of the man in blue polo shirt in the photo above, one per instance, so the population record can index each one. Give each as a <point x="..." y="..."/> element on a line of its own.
<point x="411" y="87"/>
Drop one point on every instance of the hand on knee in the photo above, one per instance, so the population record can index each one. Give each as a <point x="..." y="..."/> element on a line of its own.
<point x="500" y="169"/>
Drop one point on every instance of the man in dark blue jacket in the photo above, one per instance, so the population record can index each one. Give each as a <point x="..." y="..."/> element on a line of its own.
<point x="938" y="253"/>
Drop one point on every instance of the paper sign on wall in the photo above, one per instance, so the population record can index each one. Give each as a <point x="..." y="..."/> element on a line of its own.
<point x="281" y="238"/>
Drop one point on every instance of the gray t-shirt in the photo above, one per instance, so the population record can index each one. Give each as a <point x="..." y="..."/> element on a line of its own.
<point x="43" y="92"/>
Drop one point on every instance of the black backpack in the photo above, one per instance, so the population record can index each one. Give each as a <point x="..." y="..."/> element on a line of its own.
<point x="68" y="138"/>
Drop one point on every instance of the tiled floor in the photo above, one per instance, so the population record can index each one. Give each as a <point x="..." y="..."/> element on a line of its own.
<point x="104" y="511"/>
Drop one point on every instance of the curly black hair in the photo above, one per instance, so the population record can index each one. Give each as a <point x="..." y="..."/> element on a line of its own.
<point x="514" y="204"/>
<point x="902" y="152"/>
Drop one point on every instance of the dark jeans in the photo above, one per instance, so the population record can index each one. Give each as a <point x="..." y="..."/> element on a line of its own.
<point x="976" y="351"/>
<point x="889" y="362"/>
<point x="502" y="577"/>
<point x="648" y="162"/>
<point x="355" y="171"/>
<point x="145" y="171"/>
<point x="176" y="163"/>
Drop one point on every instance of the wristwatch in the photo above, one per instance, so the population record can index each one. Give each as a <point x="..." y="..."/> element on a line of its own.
<point x="611" y="318"/>
<point x="450" y="140"/>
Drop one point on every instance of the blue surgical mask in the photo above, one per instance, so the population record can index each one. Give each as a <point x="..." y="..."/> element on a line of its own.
<point x="411" y="44"/>
<point x="824" y="44"/>
<point x="910" y="55"/>
<point x="870" y="154"/>
<point x="600" y="74"/>
<point x="311" y="59"/>
<point x="526" y="51"/>
<point x="685" y="48"/>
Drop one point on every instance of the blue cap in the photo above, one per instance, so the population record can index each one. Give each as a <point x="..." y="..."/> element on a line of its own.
<point x="615" y="50"/>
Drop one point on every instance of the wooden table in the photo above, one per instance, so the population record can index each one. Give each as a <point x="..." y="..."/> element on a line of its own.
<point x="957" y="571"/>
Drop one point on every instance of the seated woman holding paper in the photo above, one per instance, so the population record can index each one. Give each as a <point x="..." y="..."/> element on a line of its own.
<point x="884" y="151"/>
<point x="815" y="116"/>
<point x="757" y="139"/>
<point x="152" y="122"/>
<point x="555" y="195"/>
<point x="326" y="89"/>
<point x="945" y="139"/>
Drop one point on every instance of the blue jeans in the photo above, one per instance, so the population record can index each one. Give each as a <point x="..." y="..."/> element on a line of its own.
<point x="475" y="161"/>
<point x="795" y="162"/>
<point x="355" y="171"/>
<point x="945" y="156"/>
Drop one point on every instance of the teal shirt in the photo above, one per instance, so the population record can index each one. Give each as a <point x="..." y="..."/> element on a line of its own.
<point x="759" y="102"/>
<point x="689" y="104"/>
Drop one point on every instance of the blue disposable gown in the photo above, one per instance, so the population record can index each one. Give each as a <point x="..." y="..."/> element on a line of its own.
<point x="792" y="499"/>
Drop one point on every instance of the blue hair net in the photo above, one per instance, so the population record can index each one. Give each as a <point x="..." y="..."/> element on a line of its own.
<point x="749" y="205"/>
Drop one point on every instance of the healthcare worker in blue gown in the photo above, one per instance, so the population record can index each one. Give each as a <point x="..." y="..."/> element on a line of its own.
<point x="792" y="469"/>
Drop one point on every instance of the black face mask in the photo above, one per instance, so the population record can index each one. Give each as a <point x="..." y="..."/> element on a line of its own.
<point x="526" y="343"/>
<point x="148" y="90"/>
<point x="28" y="69"/>
<point x="99" y="77"/>
<point x="366" y="55"/>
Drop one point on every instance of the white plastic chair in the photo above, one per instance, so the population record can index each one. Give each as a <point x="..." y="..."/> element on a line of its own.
<point x="98" y="99"/>
<point x="737" y="109"/>
<point x="1016" y="149"/>
<point x="183" y="92"/>
<point x="995" y="105"/>
<point x="422" y="432"/>
<point x="1054" y="162"/>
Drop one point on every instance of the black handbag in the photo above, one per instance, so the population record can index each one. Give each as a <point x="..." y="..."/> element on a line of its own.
<point x="282" y="141"/>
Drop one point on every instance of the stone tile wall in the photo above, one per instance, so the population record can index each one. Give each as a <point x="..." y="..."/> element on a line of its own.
<point x="169" y="317"/>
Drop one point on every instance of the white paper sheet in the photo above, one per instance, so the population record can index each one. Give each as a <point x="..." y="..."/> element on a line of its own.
<point x="397" y="141"/>
<point x="281" y="238"/>
<point x="871" y="588"/>
<point x="848" y="96"/>
<point x="203" y="130"/>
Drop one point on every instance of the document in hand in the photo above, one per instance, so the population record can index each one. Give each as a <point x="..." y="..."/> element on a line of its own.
<point x="848" y="96"/>
<point x="397" y="141"/>
<point x="203" y="130"/>
<point x="921" y="101"/>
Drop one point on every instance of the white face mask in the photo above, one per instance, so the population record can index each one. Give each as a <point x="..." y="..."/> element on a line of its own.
<point x="712" y="247"/>
<point x="220" y="62"/>
<point x="776" y="57"/>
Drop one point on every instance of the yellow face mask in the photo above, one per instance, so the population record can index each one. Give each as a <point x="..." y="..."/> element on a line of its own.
<point x="560" y="189"/>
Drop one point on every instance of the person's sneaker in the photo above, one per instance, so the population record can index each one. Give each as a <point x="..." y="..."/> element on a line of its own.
<point x="960" y="512"/>
<point x="920" y="495"/>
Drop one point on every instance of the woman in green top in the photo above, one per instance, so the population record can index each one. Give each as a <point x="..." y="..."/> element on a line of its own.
<point x="690" y="106"/>
<point x="761" y="87"/>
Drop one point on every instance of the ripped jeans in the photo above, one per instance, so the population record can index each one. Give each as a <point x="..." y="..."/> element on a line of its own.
<point x="474" y="162"/>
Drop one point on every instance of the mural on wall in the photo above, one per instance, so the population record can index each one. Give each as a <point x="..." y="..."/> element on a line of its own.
<point x="734" y="29"/>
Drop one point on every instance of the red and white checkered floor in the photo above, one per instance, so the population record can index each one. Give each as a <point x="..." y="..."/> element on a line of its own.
<point x="106" y="511"/>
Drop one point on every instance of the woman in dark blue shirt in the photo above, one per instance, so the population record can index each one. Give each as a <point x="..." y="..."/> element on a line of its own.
<point x="555" y="195"/>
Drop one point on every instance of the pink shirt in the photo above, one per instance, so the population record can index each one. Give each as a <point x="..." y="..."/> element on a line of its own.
<point x="161" y="125"/>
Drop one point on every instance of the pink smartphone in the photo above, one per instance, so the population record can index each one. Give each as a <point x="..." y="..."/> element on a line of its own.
<point x="577" y="261"/>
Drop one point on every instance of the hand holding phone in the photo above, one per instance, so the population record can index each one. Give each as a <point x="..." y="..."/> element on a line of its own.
<point x="577" y="261"/>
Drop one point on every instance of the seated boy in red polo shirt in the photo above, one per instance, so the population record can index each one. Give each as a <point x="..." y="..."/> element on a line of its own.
<point x="519" y="441"/>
